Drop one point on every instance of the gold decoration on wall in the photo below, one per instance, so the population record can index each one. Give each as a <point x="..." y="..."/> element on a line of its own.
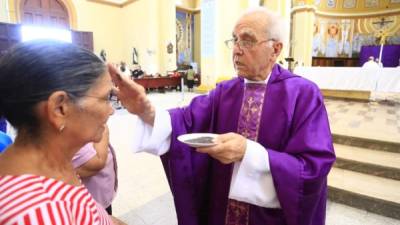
<point x="371" y="3"/>
<point x="389" y="24"/>
<point x="331" y="3"/>
<point x="349" y="4"/>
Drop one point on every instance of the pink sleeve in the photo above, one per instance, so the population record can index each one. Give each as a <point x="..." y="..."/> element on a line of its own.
<point x="83" y="155"/>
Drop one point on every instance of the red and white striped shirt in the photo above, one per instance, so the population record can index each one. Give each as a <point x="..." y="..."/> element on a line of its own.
<point x="32" y="199"/>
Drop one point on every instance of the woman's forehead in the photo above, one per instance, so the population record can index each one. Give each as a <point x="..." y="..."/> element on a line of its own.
<point x="104" y="82"/>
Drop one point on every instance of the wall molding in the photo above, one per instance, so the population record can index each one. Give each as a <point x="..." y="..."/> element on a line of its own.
<point x="342" y="14"/>
<point x="119" y="5"/>
<point x="187" y="10"/>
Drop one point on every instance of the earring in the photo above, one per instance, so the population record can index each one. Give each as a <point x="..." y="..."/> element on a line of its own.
<point x="61" y="128"/>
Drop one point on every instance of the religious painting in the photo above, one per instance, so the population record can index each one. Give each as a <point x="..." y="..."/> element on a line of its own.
<point x="349" y="4"/>
<point x="184" y="37"/>
<point x="345" y="37"/>
<point x="371" y="3"/>
<point x="331" y="3"/>
<point x="394" y="39"/>
<point x="317" y="44"/>
<point x="332" y="38"/>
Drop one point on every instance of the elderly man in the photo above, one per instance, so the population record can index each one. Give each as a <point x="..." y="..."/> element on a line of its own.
<point x="370" y="63"/>
<point x="274" y="148"/>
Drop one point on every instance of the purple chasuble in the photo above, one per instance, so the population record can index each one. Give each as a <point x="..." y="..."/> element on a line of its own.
<point x="293" y="128"/>
<point x="249" y="121"/>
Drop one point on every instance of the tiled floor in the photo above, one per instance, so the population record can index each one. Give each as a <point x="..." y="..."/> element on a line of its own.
<point x="144" y="197"/>
<point x="374" y="120"/>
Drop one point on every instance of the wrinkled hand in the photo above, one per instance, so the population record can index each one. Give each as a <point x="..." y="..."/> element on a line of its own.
<point x="230" y="148"/>
<point x="132" y="96"/>
<point x="117" y="221"/>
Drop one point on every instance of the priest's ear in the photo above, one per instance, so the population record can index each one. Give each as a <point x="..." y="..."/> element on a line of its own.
<point x="277" y="46"/>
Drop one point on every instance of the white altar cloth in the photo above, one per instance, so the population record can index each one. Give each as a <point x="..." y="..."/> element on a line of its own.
<point x="353" y="78"/>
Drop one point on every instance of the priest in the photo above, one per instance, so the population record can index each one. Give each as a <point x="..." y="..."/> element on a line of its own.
<point x="274" y="147"/>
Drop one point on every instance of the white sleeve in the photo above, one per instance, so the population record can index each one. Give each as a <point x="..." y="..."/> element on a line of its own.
<point x="252" y="180"/>
<point x="155" y="140"/>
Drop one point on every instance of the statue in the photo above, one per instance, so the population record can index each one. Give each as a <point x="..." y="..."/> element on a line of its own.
<point x="170" y="48"/>
<point x="103" y="55"/>
<point x="135" y="57"/>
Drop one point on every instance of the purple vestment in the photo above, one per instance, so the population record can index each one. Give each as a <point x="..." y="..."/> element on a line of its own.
<point x="295" y="131"/>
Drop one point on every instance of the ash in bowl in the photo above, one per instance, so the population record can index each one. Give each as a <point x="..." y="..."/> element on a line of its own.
<point x="201" y="140"/>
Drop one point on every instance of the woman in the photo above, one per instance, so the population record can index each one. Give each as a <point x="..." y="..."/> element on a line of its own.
<point x="190" y="78"/>
<point x="56" y="96"/>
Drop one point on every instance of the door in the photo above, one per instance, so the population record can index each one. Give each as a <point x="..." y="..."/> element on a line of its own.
<point x="45" y="13"/>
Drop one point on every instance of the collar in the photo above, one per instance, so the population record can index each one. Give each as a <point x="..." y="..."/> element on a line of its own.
<point x="258" y="82"/>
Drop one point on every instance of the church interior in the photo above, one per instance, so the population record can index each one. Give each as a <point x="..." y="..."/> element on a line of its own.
<point x="328" y="42"/>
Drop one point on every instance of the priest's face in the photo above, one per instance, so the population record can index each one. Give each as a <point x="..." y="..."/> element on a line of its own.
<point x="254" y="53"/>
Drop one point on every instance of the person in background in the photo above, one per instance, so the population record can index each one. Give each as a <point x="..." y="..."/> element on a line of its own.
<point x="371" y="64"/>
<point x="190" y="78"/>
<point x="378" y="63"/>
<point x="3" y="124"/>
<point x="61" y="104"/>
<point x="124" y="70"/>
<point x="137" y="72"/>
<point x="5" y="141"/>
<point x="273" y="150"/>
<point x="96" y="165"/>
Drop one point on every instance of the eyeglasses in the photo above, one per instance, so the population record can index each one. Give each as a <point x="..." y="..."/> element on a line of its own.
<point x="109" y="99"/>
<point x="244" y="44"/>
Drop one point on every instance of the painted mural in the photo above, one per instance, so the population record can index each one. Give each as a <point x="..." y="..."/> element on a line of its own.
<point x="184" y="37"/>
<point x="345" y="37"/>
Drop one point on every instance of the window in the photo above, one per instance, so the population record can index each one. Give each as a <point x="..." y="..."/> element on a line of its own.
<point x="36" y="32"/>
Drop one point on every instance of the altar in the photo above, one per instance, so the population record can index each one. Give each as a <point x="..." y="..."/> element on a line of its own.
<point x="352" y="81"/>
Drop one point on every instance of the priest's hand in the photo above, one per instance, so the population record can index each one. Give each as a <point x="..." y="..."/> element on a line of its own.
<point x="132" y="96"/>
<point x="230" y="148"/>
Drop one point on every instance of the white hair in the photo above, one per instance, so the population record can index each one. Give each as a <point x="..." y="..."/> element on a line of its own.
<point x="276" y="27"/>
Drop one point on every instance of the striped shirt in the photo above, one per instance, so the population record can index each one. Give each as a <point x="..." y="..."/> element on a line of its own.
<point x="32" y="199"/>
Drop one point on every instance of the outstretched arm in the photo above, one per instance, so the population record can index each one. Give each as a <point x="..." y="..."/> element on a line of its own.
<point x="132" y="96"/>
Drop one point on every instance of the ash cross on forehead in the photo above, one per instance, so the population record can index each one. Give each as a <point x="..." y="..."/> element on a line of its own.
<point x="383" y="22"/>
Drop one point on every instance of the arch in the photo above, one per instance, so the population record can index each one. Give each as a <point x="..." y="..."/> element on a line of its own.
<point x="72" y="15"/>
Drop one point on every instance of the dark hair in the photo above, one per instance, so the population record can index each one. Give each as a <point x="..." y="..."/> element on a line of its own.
<point x="30" y="72"/>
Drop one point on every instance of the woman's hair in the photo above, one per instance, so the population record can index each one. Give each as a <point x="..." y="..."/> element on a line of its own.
<point x="30" y="72"/>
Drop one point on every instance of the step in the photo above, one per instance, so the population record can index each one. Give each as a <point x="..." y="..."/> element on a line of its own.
<point x="378" y="163"/>
<point x="371" y="193"/>
<point x="367" y="143"/>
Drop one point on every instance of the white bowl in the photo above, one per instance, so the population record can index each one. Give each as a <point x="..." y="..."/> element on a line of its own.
<point x="190" y="139"/>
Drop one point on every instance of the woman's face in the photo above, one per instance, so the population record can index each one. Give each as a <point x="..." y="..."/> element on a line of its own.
<point x="333" y="30"/>
<point x="92" y="111"/>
